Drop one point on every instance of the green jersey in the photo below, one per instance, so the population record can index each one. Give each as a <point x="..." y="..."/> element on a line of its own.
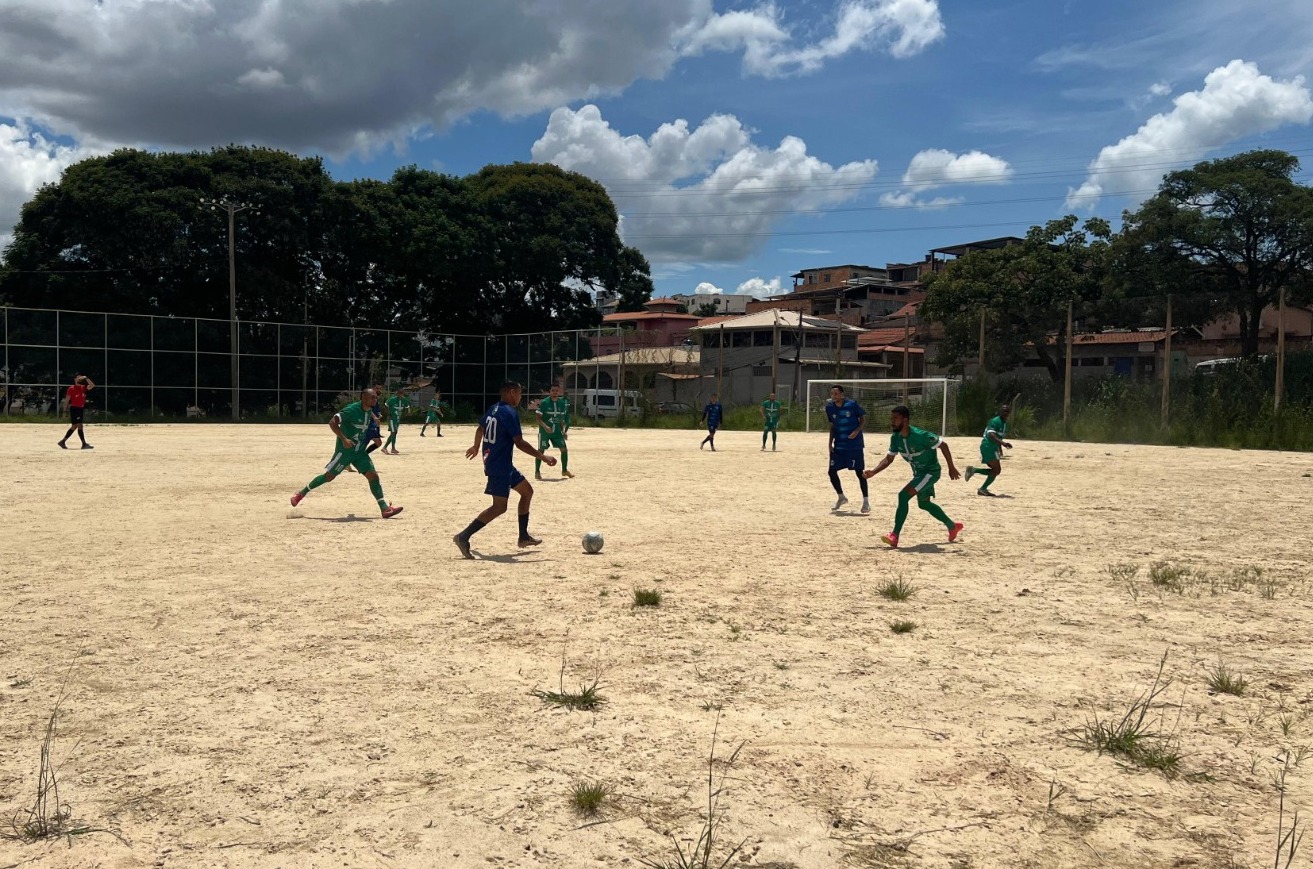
<point x="919" y="449"/>
<point x="352" y="420"/>
<point x="396" y="404"/>
<point x="999" y="427"/>
<point x="771" y="410"/>
<point x="438" y="407"/>
<point x="555" y="414"/>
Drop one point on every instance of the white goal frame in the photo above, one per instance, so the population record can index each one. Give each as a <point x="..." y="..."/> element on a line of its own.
<point x="944" y="383"/>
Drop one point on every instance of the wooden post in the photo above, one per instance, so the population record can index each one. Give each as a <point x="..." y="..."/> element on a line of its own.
<point x="1066" y="389"/>
<point x="1167" y="365"/>
<point x="720" y="364"/>
<point x="907" y="355"/>
<point x="981" y="363"/>
<point x="775" y="353"/>
<point x="620" y="370"/>
<point x="1281" y="352"/>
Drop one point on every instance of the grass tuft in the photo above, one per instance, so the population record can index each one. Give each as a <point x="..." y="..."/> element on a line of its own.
<point x="1132" y="737"/>
<point x="588" y="798"/>
<point x="898" y="590"/>
<point x="902" y="627"/>
<point x="586" y="699"/>
<point x="1223" y="680"/>
<point x="647" y="597"/>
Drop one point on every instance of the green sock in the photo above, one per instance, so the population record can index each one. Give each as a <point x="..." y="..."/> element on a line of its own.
<point x="773" y="437"/>
<point x="392" y="441"/>
<point x="900" y="516"/>
<point x="314" y="484"/>
<point x="565" y="459"/>
<point x="537" y="467"/>
<point x="376" y="487"/>
<point x="934" y="510"/>
<point x="763" y="440"/>
<point x="989" y="479"/>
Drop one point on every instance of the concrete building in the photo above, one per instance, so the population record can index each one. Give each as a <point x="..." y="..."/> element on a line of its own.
<point x="662" y="323"/>
<point x="726" y="303"/>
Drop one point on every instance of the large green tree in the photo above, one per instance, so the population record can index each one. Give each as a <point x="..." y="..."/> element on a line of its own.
<point x="1022" y="290"/>
<point x="1240" y="228"/>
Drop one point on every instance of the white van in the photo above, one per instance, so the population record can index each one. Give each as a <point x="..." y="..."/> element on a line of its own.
<point x="605" y="403"/>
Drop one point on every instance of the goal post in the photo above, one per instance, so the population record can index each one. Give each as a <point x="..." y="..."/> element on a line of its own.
<point x="932" y="400"/>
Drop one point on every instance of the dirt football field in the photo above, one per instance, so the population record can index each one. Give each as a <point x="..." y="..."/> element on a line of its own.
<point x="242" y="684"/>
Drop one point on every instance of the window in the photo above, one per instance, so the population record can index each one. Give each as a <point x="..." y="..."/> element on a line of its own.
<point x="742" y="339"/>
<point x="856" y="275"/>
<point x="849" y="342"/>
<point x="606" y="401"/>
<point x="825" y="279"/>
<point x="819" y="340"/>
<point x="763" y="339"/>
<point x="811" y="279"/>
<point x="711" y="339"/>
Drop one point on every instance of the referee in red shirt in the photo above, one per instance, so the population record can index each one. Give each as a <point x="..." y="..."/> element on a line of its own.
<point x="77" y="407"/>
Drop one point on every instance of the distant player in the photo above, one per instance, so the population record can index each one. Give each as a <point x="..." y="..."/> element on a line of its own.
<point x="770" y="421"/>
<point x="918" y="447"/>
<point x="349" y="426"/>
<point x="847" y="443"/>
<point x="989" y="450"/>
<point x="553" y="429"/>
<point x="499" y="434"/>
<point x="437" y="410"/>
<point x="76" y="396"/>
<point x="712" y="415"/>
<point x="396" y="406"/>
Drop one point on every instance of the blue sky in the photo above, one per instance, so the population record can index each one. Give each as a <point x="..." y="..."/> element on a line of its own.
<point x="741" y="141"/>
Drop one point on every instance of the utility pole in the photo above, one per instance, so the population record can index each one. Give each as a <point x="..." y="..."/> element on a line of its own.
<point x="232" y="208"/>
<point x="907" y="355"/>
<point x="1066" y="389"/>
<point x="1167" y="365"/>
<point x="1281" y="351"/>
<point x="980" y="372"/>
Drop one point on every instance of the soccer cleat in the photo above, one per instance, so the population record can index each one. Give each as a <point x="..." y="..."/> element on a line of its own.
<point x="971" y="472"/>
<point x="954" y="531"/>
<point x="891" y="540"/>
<point x="986" y="493"/>
<point x="392" y="511"/>
<point x="439" y="434"/>
<point x="463" y="545"/>
<point x="297" y="499"/>
<point x="702" y="445"/>
<point x="567" y="475"/>
<point x="839" y="503"/>
<point x="537" y="476"/>
<point x="866" y="506"/>
<point x="421" y="434"/>
<point x="87" y="447"/>
<point x="63" y="446"/>
<point x="528" y="541"/>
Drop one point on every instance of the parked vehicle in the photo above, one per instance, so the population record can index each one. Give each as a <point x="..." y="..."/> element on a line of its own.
<point x="606" y="403"/>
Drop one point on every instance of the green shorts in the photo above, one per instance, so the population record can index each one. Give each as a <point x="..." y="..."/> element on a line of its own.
<point x="355" y="457"/>
<point x="431" y="419"/>
<point x="771" y="425"/>
<point x="924" y="484"/>
<point x="989" y="453"/>
<point x="555" y="439"/>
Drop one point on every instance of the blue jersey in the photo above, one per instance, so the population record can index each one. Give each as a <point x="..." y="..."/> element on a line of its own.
<point x="712" y="413"/>
<point x="375" y="414"/>
<point x="501" y="426"/>
<point x="845" y="419"/>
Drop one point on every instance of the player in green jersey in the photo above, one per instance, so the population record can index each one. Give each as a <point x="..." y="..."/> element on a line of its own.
<point x="770" y="421"/>
<point x="553" y="429"/>
<point x="349" y="426"/>
<point x="918" y="447"/>
<point x="990" y="452"/>
<point x="396" y="405"/>
<point x="437" y="410"/>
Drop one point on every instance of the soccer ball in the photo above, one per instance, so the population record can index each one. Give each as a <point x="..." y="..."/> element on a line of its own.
<point x="593" y="542"/>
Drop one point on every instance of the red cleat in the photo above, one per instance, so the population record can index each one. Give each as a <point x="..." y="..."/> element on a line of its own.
<point x="954" y="531"/>
<point x="891" y="540"/>
<point x="391" y="511"/>
<point x="297" y="499"/>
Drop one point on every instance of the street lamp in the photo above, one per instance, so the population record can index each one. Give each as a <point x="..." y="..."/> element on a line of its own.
<point x="233" y="208"/>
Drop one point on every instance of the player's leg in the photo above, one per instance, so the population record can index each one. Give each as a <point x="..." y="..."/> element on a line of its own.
<point x="524" y="489"/>
<point x="836" y="483"/>
<point x="992" y="471"/>
<point x="438" y="426"/>
<point x="428" y="418"/>
<point x="341" y="459"/>
<point x="765" y="430"/>
<point x="925" y="493"/>
<point x="462" y="540"/>
<point x="905" y="496"/>
<point x="542" y="447"/>
<point x="393" y="428"/>
<point x="376" y="489"/>
<point x="711" y="436"/>
<point x="564" y="447"/>
<point x="774" y="434"/>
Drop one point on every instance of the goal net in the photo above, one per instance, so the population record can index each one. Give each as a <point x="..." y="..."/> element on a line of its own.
<point x="932" y="400"/>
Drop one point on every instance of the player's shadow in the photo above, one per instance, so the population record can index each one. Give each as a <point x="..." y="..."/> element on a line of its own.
<point x="509" y="558"/>
<point x="999" y="497"/>
<point x="919" y="549"/>
<point x="850" y="514"/>
<point x="351" y="518"/>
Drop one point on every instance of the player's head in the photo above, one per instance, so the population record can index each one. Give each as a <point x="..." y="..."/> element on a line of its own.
<point x="899" y="417"/>
<point x="511" y="391"/>
<point x="437" y="393"/>
<point x="771" y="396"/>
<point x="399" y="390"/>
<point x="1004" y="411"/>
<point x="555" y="390"/>
<point x="714" y="396"/>
<point x="836" y="393"/>
<point x="80" y="378"/>
<point x="368" y="398"/>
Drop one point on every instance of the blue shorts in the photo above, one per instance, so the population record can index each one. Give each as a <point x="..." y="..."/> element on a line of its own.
<point x="500" y="483"/>
<point x="372" y="433"/>
<point x="846" y="461"/>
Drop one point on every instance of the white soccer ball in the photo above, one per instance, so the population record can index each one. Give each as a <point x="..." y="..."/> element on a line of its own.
<point x="593" y="542"/>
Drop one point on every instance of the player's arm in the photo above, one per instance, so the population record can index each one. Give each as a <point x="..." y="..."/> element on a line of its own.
<point x="478" y="442"/>
<point x="90" y="385"/>
<point x="857" y="432"/>
<point x="534" y="451"/>
<point x="884" y="463"/>
<point x="335" y="423"/>
<point x="542" y="421"/>
<point x="953" y="472"/>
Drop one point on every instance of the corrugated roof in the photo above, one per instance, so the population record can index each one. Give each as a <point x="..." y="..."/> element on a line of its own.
<point x="875" y="337"/>
<point x="768" y="318"/>
<point x="647" y="315"/>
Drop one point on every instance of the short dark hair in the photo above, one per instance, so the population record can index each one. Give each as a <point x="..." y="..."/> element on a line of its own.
<point x="508" y="385"/>
<point x="838" y="387"/>
<point x="902" y="411"/>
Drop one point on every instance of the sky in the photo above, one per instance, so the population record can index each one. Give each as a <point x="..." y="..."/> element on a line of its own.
<point x="741" y="141"/>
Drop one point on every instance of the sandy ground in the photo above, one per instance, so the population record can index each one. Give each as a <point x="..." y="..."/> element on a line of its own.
<point x="249" y="689"/>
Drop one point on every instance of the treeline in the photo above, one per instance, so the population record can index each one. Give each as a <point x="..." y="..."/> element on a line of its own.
<point x="1226" y="237"/>
<point x="512" y="248"/>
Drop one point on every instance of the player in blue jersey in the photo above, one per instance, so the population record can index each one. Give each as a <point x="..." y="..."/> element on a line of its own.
<point x="498" y="435"/>
<point x="712" y="415"/>
<point x="847" y="444"/>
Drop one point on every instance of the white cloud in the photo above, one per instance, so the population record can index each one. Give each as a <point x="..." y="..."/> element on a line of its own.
<point x="707" y="288"/>
<point x="760" y="287"/>
<point x="1237" y="101"/>
<point x="811" y="251"/>
<point x="902" y="27"/>
<point x="1159" y="89"/>
<point x="29" y="159"/>
<point x="721" y="208"/>
<point x="936" y="167"/>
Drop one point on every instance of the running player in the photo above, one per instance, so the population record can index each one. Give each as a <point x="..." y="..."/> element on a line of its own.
<point x="76" y="396"/>
<point x="437" y="410"/>
<point x="349" y="426"/>
<point x="396" y="406"/>
<point x="770" y="421"/>
<point x="711" y="415"/>
<point x="499" y="434"/>
<point x="847" y="443"/>
<point x="918" y="447"/>
<point x="989" y="450"/>
<point x="553" y="429"/>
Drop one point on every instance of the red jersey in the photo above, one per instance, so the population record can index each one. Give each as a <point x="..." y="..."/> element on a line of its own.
<point x="77" y="395"/>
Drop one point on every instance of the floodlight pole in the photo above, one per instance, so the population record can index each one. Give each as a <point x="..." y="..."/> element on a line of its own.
<point x="232" y="209"/>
